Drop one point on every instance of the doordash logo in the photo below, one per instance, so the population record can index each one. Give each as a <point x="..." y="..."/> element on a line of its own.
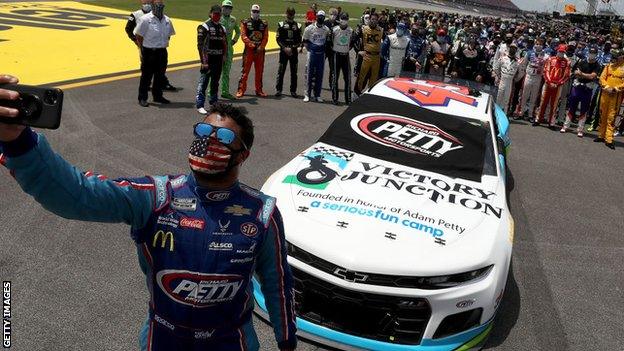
<point x="405" y="134"/>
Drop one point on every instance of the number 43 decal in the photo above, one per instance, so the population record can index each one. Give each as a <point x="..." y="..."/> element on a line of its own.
<point x="431" y="93"/>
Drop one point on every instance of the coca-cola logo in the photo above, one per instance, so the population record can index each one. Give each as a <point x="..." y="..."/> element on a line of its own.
<point x="198" y="289"/>
<point x="405" y="134"/>
<point x="193" y="223"/>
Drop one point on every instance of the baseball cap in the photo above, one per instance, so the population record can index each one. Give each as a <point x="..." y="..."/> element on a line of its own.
<point x="321" y="13"/>
<point x="562" y="48"/>
<point x="255" y="7"/>
<point x="227" y="3"/>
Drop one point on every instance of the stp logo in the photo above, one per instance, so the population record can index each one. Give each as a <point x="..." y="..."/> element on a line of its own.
<point x="198" y="289"/>
<point x="249" y="229"/>
<point x="193" y="223"/>
<point x="405" y="134"/>
<point x="431" y="93"/>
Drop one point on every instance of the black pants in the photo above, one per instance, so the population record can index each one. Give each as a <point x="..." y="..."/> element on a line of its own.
<point x="356" y="69"/>
<point x="292" y="61"/>
<point x="210" y="76"/>
<point x="515" y="96"/>
<point x="154" y="65"/>
<point x="342" y="64"/>
<point x="329" y="54"/>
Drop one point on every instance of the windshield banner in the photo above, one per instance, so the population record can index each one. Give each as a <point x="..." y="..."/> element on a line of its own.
<point x="409" y="135"/>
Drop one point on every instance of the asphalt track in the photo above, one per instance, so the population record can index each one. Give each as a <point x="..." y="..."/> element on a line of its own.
<point x="77" y="286"/>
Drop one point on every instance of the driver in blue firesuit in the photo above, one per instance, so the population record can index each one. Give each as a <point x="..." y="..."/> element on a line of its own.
<point x="200" y="236"/>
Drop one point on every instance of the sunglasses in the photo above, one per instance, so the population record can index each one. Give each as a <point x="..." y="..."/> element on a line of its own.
<point x="255" y="11"/>
<point x="225" y="135"/>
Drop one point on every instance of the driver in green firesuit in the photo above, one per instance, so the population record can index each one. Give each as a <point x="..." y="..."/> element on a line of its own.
<point x="231" y="26"/>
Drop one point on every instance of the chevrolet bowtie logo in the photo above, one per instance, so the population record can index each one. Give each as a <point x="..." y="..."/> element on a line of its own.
<point x="350" y="276"/>
<point x="237" y="210"/>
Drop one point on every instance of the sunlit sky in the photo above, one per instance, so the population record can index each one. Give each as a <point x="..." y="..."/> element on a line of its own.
<point x="557" y="5"/>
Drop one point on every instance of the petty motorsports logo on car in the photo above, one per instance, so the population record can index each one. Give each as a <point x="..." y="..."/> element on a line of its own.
<point x="199" y="289"/>
<point x="405" y="134"/>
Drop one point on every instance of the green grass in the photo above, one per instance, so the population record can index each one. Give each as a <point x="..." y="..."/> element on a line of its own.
<point x="271" y="9"/>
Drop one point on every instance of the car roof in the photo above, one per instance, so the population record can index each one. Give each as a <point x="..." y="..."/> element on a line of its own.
<point x="451" y="99"/>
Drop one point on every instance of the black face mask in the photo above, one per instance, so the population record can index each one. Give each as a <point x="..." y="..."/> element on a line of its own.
<point x="320" y="20"/>
<point x="157" y="10"/>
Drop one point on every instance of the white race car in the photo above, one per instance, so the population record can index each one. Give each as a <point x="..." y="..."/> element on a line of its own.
<point x="399" y="235"/>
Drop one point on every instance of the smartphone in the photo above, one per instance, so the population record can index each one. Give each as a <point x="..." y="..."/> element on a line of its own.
<point x="38" y="107"/>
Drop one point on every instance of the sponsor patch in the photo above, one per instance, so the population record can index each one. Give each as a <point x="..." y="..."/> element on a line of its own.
<point x="198" y="289"/>
<point x="249" y="229"/>
<point x="184" y="204"/>
<point x="242" y="260"/>
<point x="218" y="195"/>
<point x="223" y="228"/>
<point x="250" y="250"/>
<point x="168" y="220"/>
<point x="193" y="223"/>
<point x="237" y="210"/>
<point x="215" y="246"/>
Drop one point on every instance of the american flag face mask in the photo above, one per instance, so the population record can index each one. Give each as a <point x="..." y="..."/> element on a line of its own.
<point x="212" y="155"/>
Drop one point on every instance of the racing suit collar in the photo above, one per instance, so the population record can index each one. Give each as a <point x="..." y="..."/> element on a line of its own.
<point x="206" y="194"/>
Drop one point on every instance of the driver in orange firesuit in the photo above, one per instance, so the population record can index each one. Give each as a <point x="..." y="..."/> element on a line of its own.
<point x="255" y="35"/>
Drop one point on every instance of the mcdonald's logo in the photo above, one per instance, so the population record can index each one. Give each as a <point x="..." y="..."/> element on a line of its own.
<point x="163" y="239"/>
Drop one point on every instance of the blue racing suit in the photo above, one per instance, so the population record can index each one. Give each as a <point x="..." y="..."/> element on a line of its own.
<point x="198" y="247"/>
<point x="315" y="38"/>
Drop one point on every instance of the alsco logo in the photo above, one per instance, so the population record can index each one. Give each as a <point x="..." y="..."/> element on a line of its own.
<point x="198" y="289"/>
<point x="164" y="238"/>
<point x="405" y="134"/>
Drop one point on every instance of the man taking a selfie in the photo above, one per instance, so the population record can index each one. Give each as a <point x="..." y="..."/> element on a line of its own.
<point x="200" y="236"/>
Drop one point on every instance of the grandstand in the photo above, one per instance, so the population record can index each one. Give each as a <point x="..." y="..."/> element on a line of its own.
<point x="500" y="5"/>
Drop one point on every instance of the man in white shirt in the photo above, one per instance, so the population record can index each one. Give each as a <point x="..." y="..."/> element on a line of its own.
<point x="153" y="33"/>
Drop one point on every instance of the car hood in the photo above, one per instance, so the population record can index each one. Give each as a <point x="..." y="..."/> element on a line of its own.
<point x="373" y="216"/>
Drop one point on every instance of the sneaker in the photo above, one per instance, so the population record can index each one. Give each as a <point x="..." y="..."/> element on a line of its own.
<point x="616" y="134"/>
<point x="535" y="123"/>
<point x="278" y="93"/>
<point x="590" y="129"/>
<point x="261" y="93"/>
<point x="294" y="94"/>
<point x="228" y="96"/>
<point x="143" y="103"/>
<point x="562" y="130"/>
<point x="202" y="111"/>
<point x="579" y="134"/>
<point x="239" y="94"/>
<point x="318" y="99"/>
<point x="306" y="98"/>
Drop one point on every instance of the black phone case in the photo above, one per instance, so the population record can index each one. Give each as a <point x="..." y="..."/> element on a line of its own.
<point x="51" y="103"/>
